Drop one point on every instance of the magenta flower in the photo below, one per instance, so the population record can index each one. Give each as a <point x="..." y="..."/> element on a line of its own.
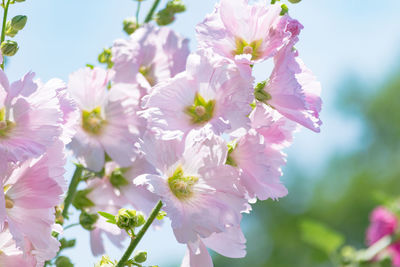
<point x="382" y="223"/>
<point x="151" y="55"/>
<point x="240" y="31"/>
<point x="212" y="91"/>
<point x="199" y="190"/>
<point x="107" y="122"/>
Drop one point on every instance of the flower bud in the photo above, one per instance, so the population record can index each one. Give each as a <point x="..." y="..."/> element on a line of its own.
<point x="19" y="1"/>
<point x="19" y="22"/>
<point x="165" y="17"/>
<point x="130" y="25"/>
<point x="176" y="6"/>
<point x="284" y="10"/>
<point x="105" y="57"/>
<point x="9" y="48"/>
<point x="10" y="31"/>
<point x="294" y="1"/>
<point x="88" y="220"/>
<point x="140" y="256"/>
<point x="63" y="261"/>
<point x="128" y="219"/>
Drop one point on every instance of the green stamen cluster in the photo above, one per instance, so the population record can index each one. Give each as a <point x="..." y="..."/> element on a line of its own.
<point x="181" y="186"/>
<point x="201" y="111"/>
<point x="92" y="122"/>
<point x="5" y="125"/>
<point x="147" y="73"/>
<point x="260" y="94"/>
<point x="253" y="48"/>
<point x="230" y="160"/>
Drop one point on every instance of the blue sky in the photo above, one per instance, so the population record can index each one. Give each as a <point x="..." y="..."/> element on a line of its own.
<point x="340" y="38"/>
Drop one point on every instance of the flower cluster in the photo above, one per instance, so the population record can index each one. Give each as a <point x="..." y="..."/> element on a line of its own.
<point x="193" y="130"/>
<point x="34" y="128"/>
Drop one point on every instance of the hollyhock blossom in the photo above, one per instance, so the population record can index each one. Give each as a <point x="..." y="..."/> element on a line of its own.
<point x="212" y="91"/>
<point x="259" y="165"/>
<point x="276" y="129"/>
<point x="107" y="121"/>
<point x="31" y="191"/>
<point x="241" y="31"/>
<point x="199" y="190"/>
<point x="10" y="255"/>
<point x="150" y="55"/>
<point x="230" y="243"/>
<point x="117" y="189"/>
<point x="30" y="118"/>
<point x="293" y="90"/>
<point x="382" y="223"/>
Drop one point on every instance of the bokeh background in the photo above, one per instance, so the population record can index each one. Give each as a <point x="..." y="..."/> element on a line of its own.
<point x="335" y="177"/>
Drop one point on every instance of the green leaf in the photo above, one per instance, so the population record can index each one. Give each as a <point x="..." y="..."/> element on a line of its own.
<point x="110" y="218"/>
<point x="321" y="236"/>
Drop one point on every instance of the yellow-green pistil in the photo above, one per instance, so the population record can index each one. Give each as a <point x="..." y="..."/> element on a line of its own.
<point x="182" y="186"/>
<point x="5" y="125"/>
<point x="229" y="159"/>
<point x="201" y="111"/>
<point x="243" y="47"/>
<point x="92" y="122"/>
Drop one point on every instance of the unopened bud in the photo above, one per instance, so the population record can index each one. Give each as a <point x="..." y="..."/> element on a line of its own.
<point x="284" y="10"/>
<point x="130" y="25"/>
<point x="63" y="261"/>
<point x="140" y="256"/>
<point x="165" y="17"/>
<point x="9" y="48"/>
<point x="88" y="220"/>
<point x="176" y="6"/>
<point x="105" y="57"/>
<point x="19" y="22"/>
<point x="19" y="1"/>
<point x="294" y="1"/>
<point x="10" y="31"/>
<point x="128" y="219"/>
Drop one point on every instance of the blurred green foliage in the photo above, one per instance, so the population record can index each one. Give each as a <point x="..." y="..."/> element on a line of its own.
<point x="342" y="199"/>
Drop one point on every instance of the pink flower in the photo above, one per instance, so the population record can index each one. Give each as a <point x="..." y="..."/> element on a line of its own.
<point x="212" y="91"/>
<point x="10" y="255"/>
<point x="199" y="191"/>
<point x="238" y="30"/>
<point x="107" y="122"/>
<point x="30" y="119"/>
<point x="293" y="89"/>
<point x="230" y="243"/>
<point x="260" y="166"/>
<point x="275" y="128"/>
<point x="382" y="223"/>
<point x="150" y="56"/>
<point x="31" y="191"/>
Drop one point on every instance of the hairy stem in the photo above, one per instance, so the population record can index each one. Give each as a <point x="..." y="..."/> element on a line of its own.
<point x="3" y="29"/>
<point x="151" y="12"/>
<point x="135" y="240"/>
<point x="76" y="178"/>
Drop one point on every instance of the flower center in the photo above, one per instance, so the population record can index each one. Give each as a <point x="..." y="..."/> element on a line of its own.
<point x="147" y="72"/>
<point x="229" y="159"/>
<point x="92" y="122"/>
<point x="9" y="203"/>
<point x="243" y="47"/>
<point x="182" y="186"/>
<point x="260" y="94"/>
<point x="5" y="125"/>
<point x="201" y="111"/>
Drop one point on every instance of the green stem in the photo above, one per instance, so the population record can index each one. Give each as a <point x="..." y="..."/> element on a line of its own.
<point x="3" y="29"/>
<point x="135" y="241"/>
<point x="76" y="178"/>
<point x="137" y="11"/>
<point x="151" y="12"/>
